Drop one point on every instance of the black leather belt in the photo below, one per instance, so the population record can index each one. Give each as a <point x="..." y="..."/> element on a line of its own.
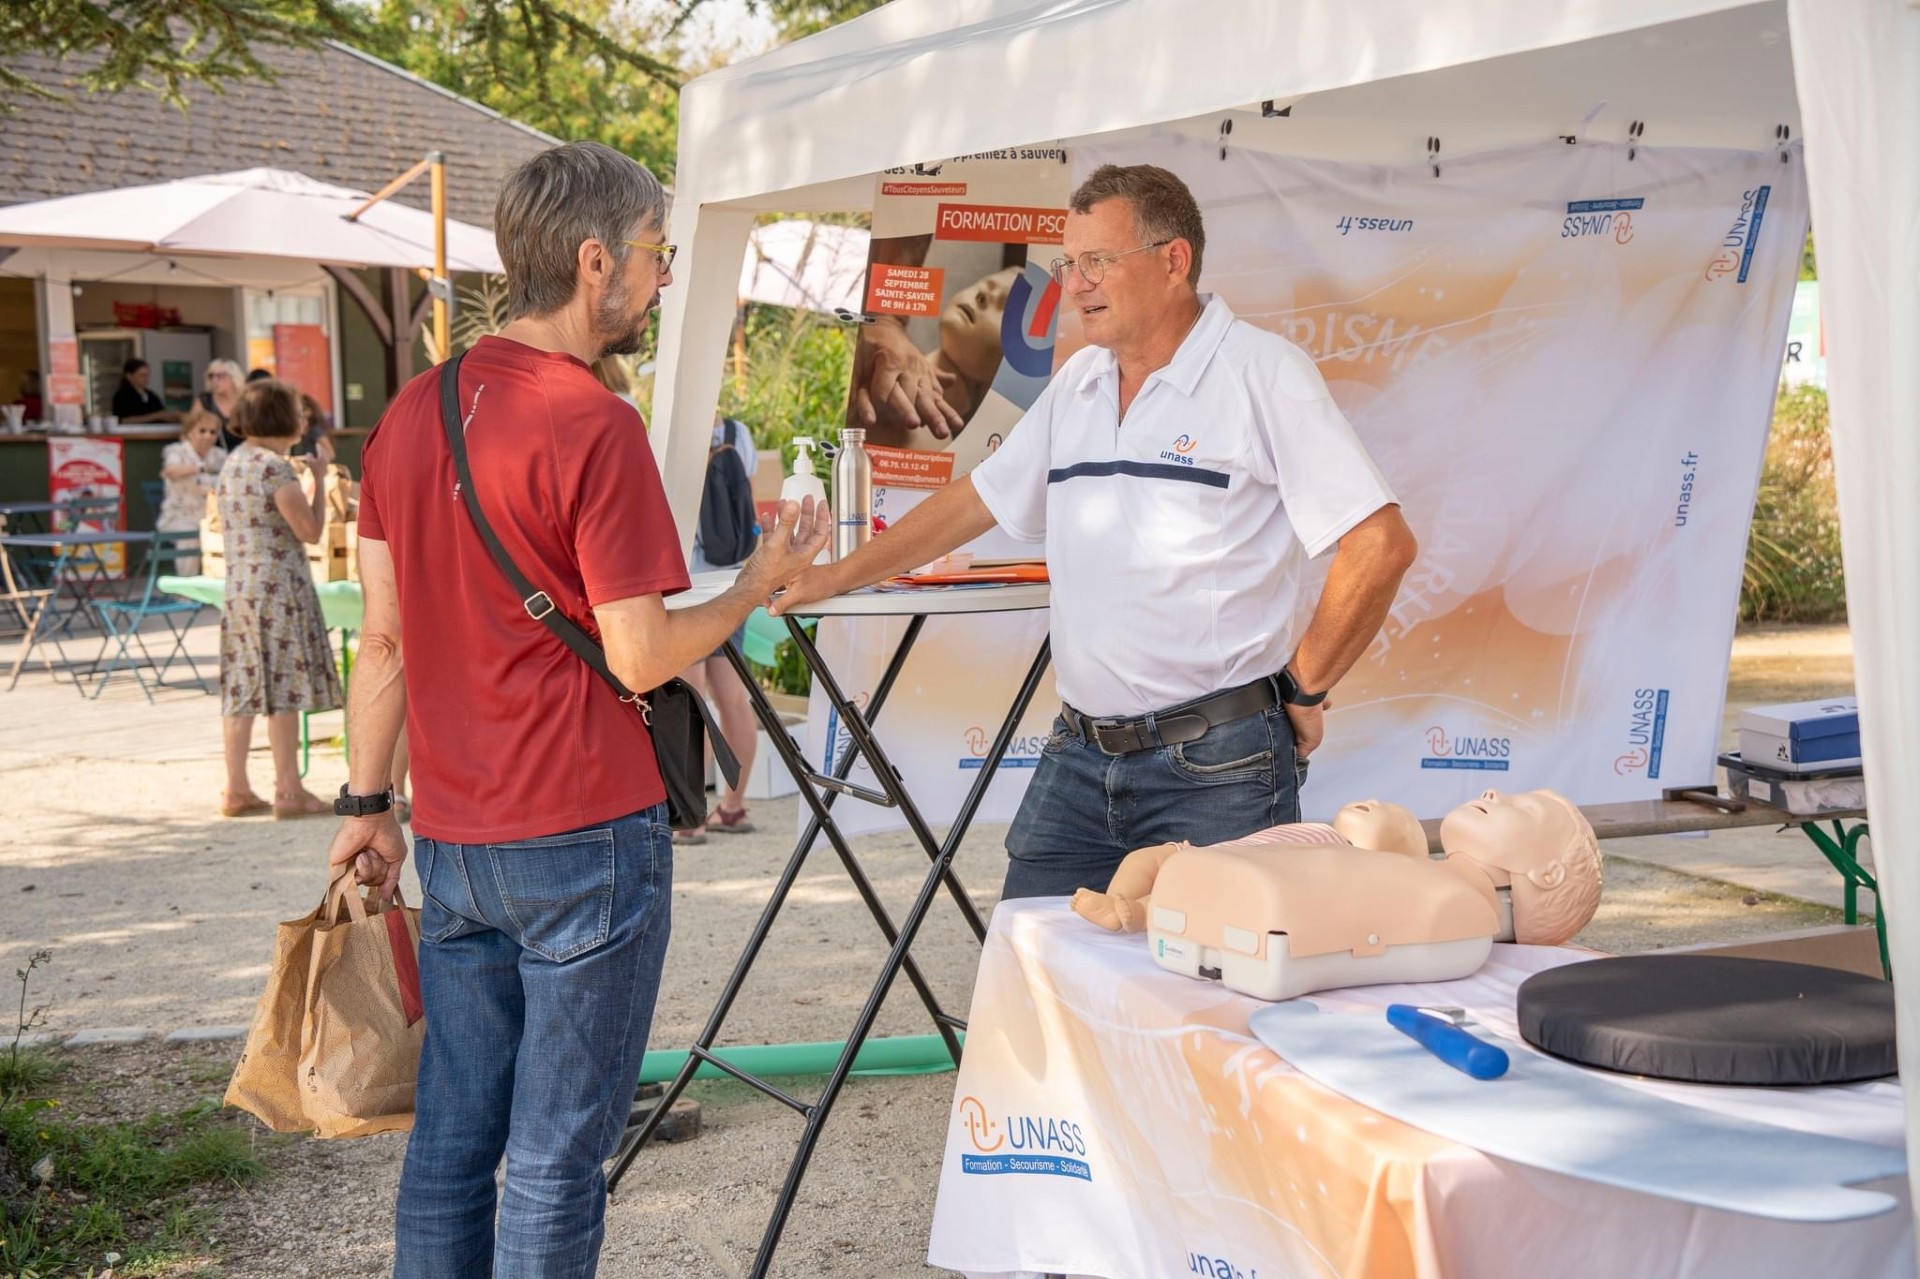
<point x="1186" y="722"/>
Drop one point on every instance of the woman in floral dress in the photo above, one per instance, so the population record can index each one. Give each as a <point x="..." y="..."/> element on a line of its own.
<point x="274" y="656"/>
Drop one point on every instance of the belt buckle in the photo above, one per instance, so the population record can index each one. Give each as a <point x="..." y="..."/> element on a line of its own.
<point x="1131" y="737"/>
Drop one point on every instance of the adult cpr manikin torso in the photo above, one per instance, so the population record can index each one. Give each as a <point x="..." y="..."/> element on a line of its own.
<point x="1299" y="908"/>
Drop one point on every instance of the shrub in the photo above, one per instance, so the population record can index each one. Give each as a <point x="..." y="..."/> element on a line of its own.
<point x="1793" y="569"/>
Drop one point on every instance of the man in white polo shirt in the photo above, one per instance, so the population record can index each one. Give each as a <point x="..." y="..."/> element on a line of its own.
<point x="1180" y="471"/>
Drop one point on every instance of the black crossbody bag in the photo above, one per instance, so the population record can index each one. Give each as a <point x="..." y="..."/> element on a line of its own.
<point x="677" y="716"/>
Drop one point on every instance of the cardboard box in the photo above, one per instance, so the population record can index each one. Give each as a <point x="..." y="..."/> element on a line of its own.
<point x="767" y="777"/>
<point x="1803" y="796"/>
<point x="1851" y="948"/>
<point x="1802" y="737"/>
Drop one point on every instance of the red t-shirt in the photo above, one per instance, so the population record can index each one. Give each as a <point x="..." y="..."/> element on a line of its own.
<point x="512" y="736"/>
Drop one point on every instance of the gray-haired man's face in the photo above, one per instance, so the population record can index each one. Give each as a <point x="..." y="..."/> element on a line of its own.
<point x="622" y="315"/>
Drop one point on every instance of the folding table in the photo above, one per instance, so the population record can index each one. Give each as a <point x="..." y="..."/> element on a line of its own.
<point x="78" y="574"/>
<point x="818" y="791"/>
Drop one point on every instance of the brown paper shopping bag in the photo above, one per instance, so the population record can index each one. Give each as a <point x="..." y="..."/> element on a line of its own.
<point x="360" y="1041"/>
<point x="335" y="1041"/>
<point x="265" y="1083"/>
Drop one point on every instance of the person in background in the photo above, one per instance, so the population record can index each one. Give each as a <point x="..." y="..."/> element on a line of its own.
<point x="222" y="393"/>
<point x="715" y="677"/>
<point x="30" y="396"/>
<point x="191" y="467"/>
<point x="316" y="440"/>
<point x="258" y="375"/>
<point x="611" y="372"/>
<point x="274" y="656"/>
<point x="134" y="401"/>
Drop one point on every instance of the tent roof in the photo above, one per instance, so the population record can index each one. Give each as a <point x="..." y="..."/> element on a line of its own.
<point x="813" y="121"/>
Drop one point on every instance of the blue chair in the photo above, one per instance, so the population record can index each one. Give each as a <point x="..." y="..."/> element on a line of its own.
<point x="155" y="491"/>
<point x="121" y="620"/>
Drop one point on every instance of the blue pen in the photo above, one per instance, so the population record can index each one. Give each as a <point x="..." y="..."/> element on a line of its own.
<point x="1436" y="1030"/>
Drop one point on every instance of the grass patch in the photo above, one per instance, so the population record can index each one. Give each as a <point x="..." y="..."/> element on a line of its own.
<point x="73" y="1193"/>
<point x="25" y="1072"/>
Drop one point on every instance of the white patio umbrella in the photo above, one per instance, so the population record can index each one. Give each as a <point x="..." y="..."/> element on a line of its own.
<point x="262" y="213"/>
<point x="812" y="266"/>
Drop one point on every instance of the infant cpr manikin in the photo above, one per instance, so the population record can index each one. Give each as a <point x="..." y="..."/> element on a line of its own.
<point x="1307" y="907"/>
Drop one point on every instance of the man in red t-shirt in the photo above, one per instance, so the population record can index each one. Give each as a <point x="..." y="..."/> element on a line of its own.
<point x="541" y="830"/>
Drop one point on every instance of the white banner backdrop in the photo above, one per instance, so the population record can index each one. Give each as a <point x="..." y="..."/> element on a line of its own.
<point x="1564" y="359"/>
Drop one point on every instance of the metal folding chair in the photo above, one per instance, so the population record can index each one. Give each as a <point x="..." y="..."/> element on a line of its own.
<point x="120" y="620"/>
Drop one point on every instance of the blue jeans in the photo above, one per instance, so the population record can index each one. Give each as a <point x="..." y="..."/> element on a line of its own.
<point x="1086" y="809"/>
<point x="539" y="964"/>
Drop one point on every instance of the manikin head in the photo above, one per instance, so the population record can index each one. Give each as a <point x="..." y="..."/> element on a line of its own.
<point x="1383" y="827"/>
<point x="970" y="326"/>
<point x="1538" y="843"/>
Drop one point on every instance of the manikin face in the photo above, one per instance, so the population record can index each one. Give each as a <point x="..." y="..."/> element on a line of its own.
<point x="1544" y="843"/>
<point x="1134" y="294"/>
<point x="1383" y="827"/>
<point x="970" y="326"/>
<point x="620" y="319"/>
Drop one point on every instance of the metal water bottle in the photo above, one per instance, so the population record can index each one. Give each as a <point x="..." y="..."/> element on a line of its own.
<point x="852" y="494"/>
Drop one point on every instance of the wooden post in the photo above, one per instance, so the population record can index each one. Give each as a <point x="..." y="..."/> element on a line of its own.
<point x="440" y="285"/>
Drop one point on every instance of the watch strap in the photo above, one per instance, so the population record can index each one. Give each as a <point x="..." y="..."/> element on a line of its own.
<point x="1290" y="692"/>
<point x="347" y="805"/>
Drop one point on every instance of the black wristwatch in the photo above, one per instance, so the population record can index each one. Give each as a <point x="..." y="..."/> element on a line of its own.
<point x="1290" y="690"/>
<point x="363" y="805"/>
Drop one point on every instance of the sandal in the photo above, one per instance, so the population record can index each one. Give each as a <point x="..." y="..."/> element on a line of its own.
<point x="253" y="806"/>
<point x="689" y="837"/>
<point x="729" y="823"/>
<point x="308" y="805"/>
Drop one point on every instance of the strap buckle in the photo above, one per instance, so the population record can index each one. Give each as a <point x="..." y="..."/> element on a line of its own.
<point x="640" y="703"/>
<point x="531" y="602"/>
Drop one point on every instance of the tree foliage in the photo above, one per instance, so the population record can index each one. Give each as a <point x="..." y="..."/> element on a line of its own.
<point x="609" y="70"/>
<point x="577" y="69"/>
<point x="161" y="45"/>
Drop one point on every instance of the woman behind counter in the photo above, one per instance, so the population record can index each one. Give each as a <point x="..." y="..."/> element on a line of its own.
<point x="220" y="397"/>
<point x="134" y="401"/>
<point x="190" y="466"/>
<point x="274" y="656"/>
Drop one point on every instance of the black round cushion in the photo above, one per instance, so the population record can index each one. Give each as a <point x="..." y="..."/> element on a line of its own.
<point x="1712" y="1019"/>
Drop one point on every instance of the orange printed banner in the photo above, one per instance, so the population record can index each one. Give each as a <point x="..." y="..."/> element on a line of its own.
<point x="999" y="224"/>
<point x="910" y="468"/>
<point x="904" y="290"/>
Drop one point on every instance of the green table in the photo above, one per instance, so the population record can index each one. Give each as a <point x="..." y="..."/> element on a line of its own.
<point x="340" y="608"/>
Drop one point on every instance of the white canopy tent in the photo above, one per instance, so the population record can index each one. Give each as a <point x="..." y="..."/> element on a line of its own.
<point x="809" y="126"/>
<point x="806" y="265"/>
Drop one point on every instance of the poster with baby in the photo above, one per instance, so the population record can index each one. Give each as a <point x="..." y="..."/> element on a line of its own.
<point x="956" y="344"/>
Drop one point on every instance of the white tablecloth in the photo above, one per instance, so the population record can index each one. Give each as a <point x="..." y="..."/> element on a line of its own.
<point x="1115" y="1120"/>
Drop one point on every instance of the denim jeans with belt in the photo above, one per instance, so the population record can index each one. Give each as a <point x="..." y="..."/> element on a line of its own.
<point x="1085" y="809"/>
<point x="539" y="964"/>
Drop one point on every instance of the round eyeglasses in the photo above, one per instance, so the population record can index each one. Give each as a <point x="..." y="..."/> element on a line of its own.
<point x="1092" y="265"/>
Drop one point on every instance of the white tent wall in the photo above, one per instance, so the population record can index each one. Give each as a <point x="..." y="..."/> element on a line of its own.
<point x="696" y="323"/>
<point x="808" y="127"/>
<point x="1858" y="64"/>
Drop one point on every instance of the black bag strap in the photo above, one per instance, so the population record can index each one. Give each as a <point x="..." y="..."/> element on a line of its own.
<point x="539" y="605"/>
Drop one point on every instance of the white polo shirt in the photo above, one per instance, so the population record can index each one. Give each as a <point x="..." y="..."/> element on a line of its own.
<point x="1176" y="539"/>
